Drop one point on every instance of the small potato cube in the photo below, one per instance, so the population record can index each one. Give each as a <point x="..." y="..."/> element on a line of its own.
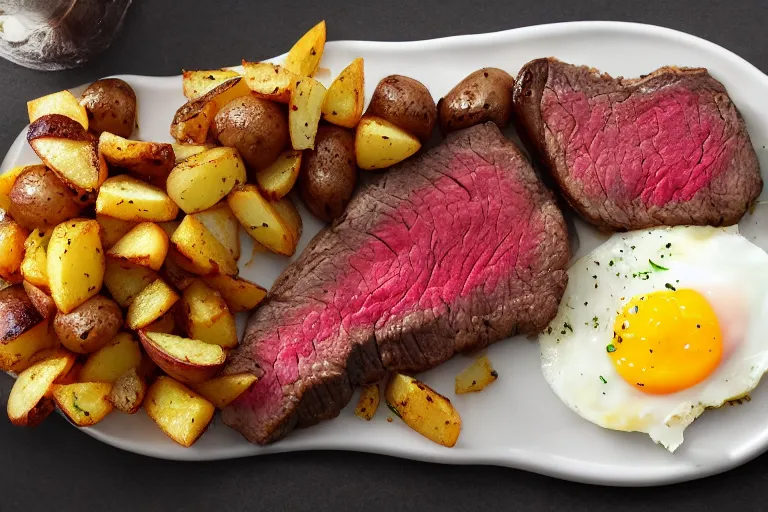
<point x="127" y="198"/>
<point x="202" y="180"/>
<point x="179" y="412"/>
<point x="126" y="280"/>
<point x="269" y="81"/>
<point x="424" y="410"/>
<point x="111" y="361"/>
<point x="476" y="376"/>
<point x="304" y="111"/>
<point x="113" y="230"/>
<point x="239" y="294"/>
<point x="75" y="263"/>
<point x="201" y="252"/>
<point x="306" y="54"/>
<point x="12" y="238"/>
<point x="260" y="220"/>
<point x="34" y="266"/>
<point x="29" y="402"/>
<point x="151" y="161"/>
<point x="224" y="389"/>
<point x="344" y="101"/>
<point x="84" y="403"/>
<point x="368" y="403"/>
<point x="223" y="225"/>
<point x="207" y="317"/>
<point x="128" y="392"/>
<point x="145" y="245"/>
<point x="63" y="102"/>
<point x="184" y="151"/>
<point x="380" y="144"/>
<point x="197" y="83"/>
<point x="150" y="304"/>
<point x="276" y="180"/>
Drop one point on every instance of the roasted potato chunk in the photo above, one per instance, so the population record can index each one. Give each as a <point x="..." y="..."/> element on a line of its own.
<point x="89" y="326"/>
<point x="290" y="215"/>
<point x="269" y="81"/>
<point x="406" y="103"/>
<point x="128" y="392"/>
<point x="39" y="199"/>
<point x="223" y="225"/>
<point x="485" y="95"/>
<point x="276" y="180"/>
<point x="201" y="253"/>
<point x="112" y="360"/>
<point x="127" y="198"/>
<point x="207" y="317"/>
<point x="125" y="280"/>
<point x="304" y="111"/>
<point x="23" y="330"/>
<point x="368" y="402"/>
<point x="179" y="412"/>
<point x="113" y="229"/>
<point x="193" y="119"/>
<point x="145" y="245"/>
<point x="476" y="376"/>
<point x="111" y="106"/>
<point x="306" y="54"/>
<point x="69" y="150"/>
<point x="34" y="266"/>
<point x="424" y="410"/>
<point x="84" y="403"/>
<point x="150" y="304"/>
<point x="150" y="161"/>
<point x="12" y="239"/>
<point x="201" y="181"/>
<point x="260" y="220"/>
<point x="30" y="402"/>
<point x="223" y="390"/>
<point x="239" y="294"/>
<point x="63" y="102"/>
<point x="42" y="302"/>
<point x="197" y="83"/>
<point x="75" y="263"/>
<point x="183" y="151"/>
<point x="380" y="144"/>
<point x="184" y="359"/>
<point x="344" y="101"/>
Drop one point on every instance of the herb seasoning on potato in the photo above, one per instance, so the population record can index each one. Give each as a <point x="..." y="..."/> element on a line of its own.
<point x="485" y="95"/>
<point x="406" y="103"/>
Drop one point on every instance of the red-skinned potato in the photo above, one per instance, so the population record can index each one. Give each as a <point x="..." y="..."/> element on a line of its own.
<point x="186" y="360"/>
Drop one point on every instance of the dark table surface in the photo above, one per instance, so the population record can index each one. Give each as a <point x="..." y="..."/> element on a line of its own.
<point x="55" y="467"/>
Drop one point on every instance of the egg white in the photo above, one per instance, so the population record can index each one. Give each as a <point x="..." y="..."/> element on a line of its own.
<point x="726" y="268"/>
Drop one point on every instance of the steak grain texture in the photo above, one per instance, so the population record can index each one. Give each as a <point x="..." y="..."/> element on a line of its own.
<point x="668" y="148"/>
<point x="449" y="252"/>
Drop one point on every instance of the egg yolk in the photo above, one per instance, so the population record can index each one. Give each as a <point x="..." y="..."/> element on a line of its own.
<point x="666" y="341"/>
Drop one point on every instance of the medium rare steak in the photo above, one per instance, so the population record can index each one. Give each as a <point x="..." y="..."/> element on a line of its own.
<point x="448" y="252"/>
<point x="665" y="149"/>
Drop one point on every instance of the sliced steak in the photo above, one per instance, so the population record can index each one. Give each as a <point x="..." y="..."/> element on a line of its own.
<point x="449" y="252"/>
<point x="668" y="148"/>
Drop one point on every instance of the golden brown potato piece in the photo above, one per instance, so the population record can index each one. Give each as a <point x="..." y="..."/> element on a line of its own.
<point x="7" y="180"/>
<point x="305" y="55"/>
<point x="179" y="412"/>
<point x="184" y="359"/>
<point x="111" y="106"/>
<point x="63" y="102"/>
<point x="256" y="127"/>
<point x="150" y="161"/>
<point x="128" y="392"/>
<point x="125" y="280"/>
<point x="89" y="326"/>
<point x="269" y="81"/>
<point x="150" y="304"/>
<point x="224" y="389"/>
<point x="12" y="238"/>
<point x="240" y="295"/>
<point x="197" y="83"/>
<point x="113" y="229"/>
<point x="112" y="360"/>
<point x="304" y="111"/>
<point x="260" y="220"/>
<point x="145" y="245"/>
<point x="206" y="316"/>
<point x="406" y="103"/>
<point x="276" y="180"/>
<point x="344" y="101"/>
<point x="291" y="217"/>
<point x="34" y="266"/>
<point x="199" y="251"/>
<point x="42" y="302"/>
<point x="127" y="198"/>
<point x="75" y="263"/>
<point x="39" y="199"/>
<point x="192" y="121"/>
<point x="380" y="144"/>
<point x="24" y="331"/>
<point x="328" y="173"/>
<point x="201" y="181"/>
<point x="69" y="150"/>
<point x="424" y="410"/>
<point x="484" y="95"/>
<point x="368" y="402"/>
<point x="84" y="403"/>
<point x="223" y="225"/>
<point x="30" y="402"/>
<point x="183" y="151"/>
<point x="475" y="377"/>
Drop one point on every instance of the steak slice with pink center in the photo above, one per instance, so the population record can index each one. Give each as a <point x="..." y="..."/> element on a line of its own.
<point x="449" y="252"/>
<point x="668" y="148"/>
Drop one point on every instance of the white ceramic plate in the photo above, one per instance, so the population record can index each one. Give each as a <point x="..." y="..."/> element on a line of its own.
<point x="518" y="421"/>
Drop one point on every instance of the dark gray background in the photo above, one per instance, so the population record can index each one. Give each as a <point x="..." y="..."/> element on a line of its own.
<point x="57" y="467"/>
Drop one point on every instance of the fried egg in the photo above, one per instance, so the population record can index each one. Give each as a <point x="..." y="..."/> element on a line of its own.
<point x="656" y="326"/>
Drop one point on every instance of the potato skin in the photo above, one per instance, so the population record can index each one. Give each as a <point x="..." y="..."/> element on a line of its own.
<point x="111" y="107"/>
<point x="404" y="102"/>
<point x="257" y="128"/>
<point x="17" y="313"/>
<point x="90" y="326"/>
<point x="329" y="173"/>
<point x="484" y="95"/>
<point x="39" y="199"/>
